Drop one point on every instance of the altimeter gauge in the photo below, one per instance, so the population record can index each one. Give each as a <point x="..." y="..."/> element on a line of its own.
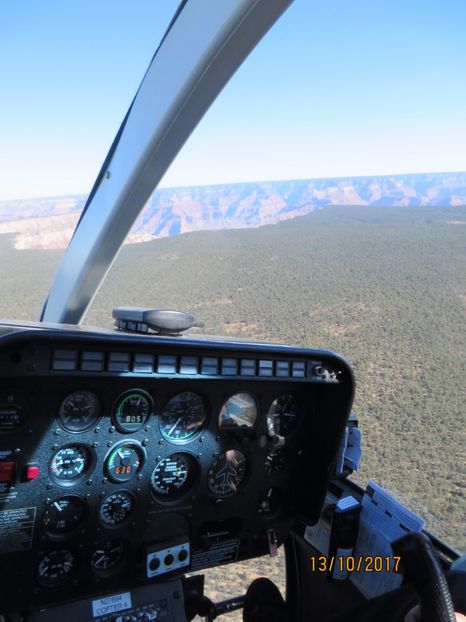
<point x="173" y="476"/>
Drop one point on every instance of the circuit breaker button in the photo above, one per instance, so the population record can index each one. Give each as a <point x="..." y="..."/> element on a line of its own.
<point x="7" y="472"/>
<point x="32" y="472"/>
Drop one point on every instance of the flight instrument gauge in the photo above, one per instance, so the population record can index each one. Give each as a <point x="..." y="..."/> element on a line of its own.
<point x="56" y="568"/>
<point x="183" y="417"/>
<point x="79" y="411"/>
<point x="282" y="415"/>
<point x="227" y="473"/>
<point x="173" y="475"/>
<point x="64" y="515"/>
<point x="116" y="508"/>
<point x="239" y="411"/>
<point x="70" y="464"/>
<point x="275" y="462"/>
<point x="108" y="557"/>
<point x="14" y="410"/>
<point x="132" y="409"/>
<point x="124" y="461"/>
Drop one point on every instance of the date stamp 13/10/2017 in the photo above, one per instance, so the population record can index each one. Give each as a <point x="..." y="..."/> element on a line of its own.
<point x="350" y="563"/>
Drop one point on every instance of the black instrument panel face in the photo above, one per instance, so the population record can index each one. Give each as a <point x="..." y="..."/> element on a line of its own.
<point x="97" y="468"/>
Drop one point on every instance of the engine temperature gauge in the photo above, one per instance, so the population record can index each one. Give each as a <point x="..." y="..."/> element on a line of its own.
<point x="124" y="461"/>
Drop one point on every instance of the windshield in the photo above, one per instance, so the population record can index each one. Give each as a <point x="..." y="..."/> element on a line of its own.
<point x="321" y="202"/>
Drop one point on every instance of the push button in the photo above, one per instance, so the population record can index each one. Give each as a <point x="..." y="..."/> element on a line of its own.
<point x="32" y="472"/>
<point x="7" y="472"/>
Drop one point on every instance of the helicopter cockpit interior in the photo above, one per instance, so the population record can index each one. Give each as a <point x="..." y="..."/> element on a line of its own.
<point x="133" y="460"/>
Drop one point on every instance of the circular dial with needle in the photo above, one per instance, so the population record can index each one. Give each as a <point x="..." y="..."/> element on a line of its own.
<point x="56" y="568"/>
<point x="64" y="515"/>
<point x="132" y="410"/>
<point x="239" y="411"/>
<point x="282" y="415"/>
<point x="70" y="464"/>
<point x="227" y="473"/>
<point x="124" y="461"/>
<point x="173" y="475"/>
<point x="108" y="557"/>
<point x="116" y="508"/>
<point x="183" y="417"/>
<point x="79" y="411"/>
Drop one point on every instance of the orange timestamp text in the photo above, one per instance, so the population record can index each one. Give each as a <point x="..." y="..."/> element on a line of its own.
<point x="350" y="563"/>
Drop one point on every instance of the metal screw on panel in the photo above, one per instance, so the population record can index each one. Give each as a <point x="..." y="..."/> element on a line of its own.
<point x="160" y="441"/>
<point x="11" y="489"/>
<point x="54" y="447"/>
<point x="110" y="443"/>
<point x="95" y="444"/>
<point x="198" y="455"/>
<point x="201" y="439"/>
<point x="112" y="429"/>
<point x="17" y="450"/>
<point x="89" y="482"/>
<point x="97" y="430"/>
<point x="48" y="500"/>
<point x="104" y="480"/>
<point x="140" y="476"/>
<point x="102" y="494"/>
<point x="88" y="495"/>
<point x="57" y="431"/>
<point x="49" y="486"/>
<point x="145" y="442"/>
<point x="147" y="428"/>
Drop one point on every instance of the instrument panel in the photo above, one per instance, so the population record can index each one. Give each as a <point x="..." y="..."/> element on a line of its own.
<point x="99" y="468"/>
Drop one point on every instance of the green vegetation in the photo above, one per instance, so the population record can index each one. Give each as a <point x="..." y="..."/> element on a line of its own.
<point x="386" y="287"/>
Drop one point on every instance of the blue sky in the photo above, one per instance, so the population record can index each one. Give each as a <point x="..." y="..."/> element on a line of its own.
<point x="336" y="88"/>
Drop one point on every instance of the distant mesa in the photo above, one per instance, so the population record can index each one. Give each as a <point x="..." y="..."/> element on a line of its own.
<point x="48" y="223"/>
